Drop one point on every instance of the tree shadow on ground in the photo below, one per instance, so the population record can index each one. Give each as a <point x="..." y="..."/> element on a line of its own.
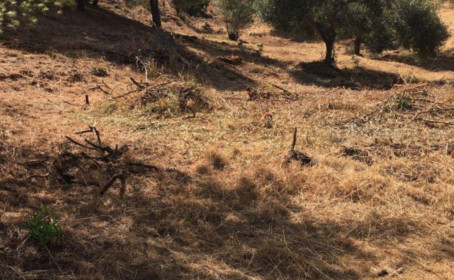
<point x="298" y="37"/>
<point x="225" y="75"/>
<point x="101" y="33"/>
<point x="217" y="49"/>
<point x="176" y="225"/>
<point x="358" y="78"/>
<point x="443" y="62"/>
<point x="182" y="228"/>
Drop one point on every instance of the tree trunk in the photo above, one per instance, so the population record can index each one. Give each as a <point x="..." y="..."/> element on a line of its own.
<point x="81" y="5"/>
<point x="329" y="57"/>
<point x="357" y="46"/>
<point x="233" y="34"/>
<point x="156" y="14"/>
<point x="328" y="34"/>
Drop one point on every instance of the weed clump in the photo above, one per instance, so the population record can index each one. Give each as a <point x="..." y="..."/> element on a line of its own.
<point x="405" y="104"/>
<point x="217" y="160"/>
<point x="44" y="227"/>
<point x="170" y="101"/>
<point x="99" y="72"/>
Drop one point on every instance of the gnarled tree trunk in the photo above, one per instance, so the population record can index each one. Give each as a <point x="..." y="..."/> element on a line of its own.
<point x="156" y="14"/>
<point x="328" y="34"/>
<point x="81" y="5"/>
<point x="357" y="46"/>
<point x="329" y="56"/>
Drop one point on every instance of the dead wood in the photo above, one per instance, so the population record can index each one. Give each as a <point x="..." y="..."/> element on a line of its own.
<point x="77" y="143"/>
<point x="436" y="121"/>
<point x="141" y="89"/>
<point x="139" y="85"/>
<point x="296" y="155"/>
<point x="121" y="177"/>
<point x="98" y="162"/>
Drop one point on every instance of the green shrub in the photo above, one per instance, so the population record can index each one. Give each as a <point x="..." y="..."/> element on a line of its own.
<point x="191" y="7"/>
<point x="404" y="104"/>
<point x="237" y="14"/>
<point x="14" y="13"/>
<point x="44" y="227"/>
<point x="419" y="28"/>
<point x="380" y="24"/>
<point x="175" y="100"/>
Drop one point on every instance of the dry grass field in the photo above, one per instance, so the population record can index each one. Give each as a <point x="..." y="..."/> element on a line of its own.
<point x="207" y="125"/>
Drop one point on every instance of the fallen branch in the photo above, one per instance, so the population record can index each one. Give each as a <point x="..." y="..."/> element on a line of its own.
<point x="139" y="85"/>
<point x="139" y="164"/>
<point x="52" y="258"/>
<point x="78" y="144"/>
<point x="296" y="155"/>
<point x="103" y="90"/>
<point x="105" y="162"/>
<point x="14" y="270"/>
<point x="112" y="180"/>
<point x="436" y="121"/>
<point x="142" y="89"/>
<point x="104" y="83"/>
<point x="128" y="93"/>
<point x="283" y="89"/>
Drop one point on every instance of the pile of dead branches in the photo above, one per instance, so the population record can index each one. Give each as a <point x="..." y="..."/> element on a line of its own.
<point x="167" y="98"/>
<point x="416" y="103"/>
<point x="95" y="163"/>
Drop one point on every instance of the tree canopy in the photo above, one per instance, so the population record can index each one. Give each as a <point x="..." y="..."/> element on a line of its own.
<point x="191" y="7"/>
<point x="13" y="13"/>
<point x="413" y="24"/>
<point x="237" y="14"/>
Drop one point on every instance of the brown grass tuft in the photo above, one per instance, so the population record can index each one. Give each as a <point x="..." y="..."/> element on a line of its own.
<point x="217" y="160"/>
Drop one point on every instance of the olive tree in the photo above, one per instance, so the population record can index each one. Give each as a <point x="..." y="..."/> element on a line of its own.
<point x="152" y="6"/>
<point x="14" y="13"/>
<point x="237" y="15"/>
<point x="418" y="26"/>
<point x="413" y="24"/>
<point x="191" y="7"/>
<point x="81" y="4"/>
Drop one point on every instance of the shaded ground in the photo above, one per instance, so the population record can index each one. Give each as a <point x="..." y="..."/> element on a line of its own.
<point x="443" y="62"/>
<point x="153" y="232"/>
<point x="317" y="73"/>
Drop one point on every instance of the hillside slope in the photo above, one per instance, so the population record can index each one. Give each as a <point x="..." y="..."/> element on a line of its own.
<point x="208" y="125"/>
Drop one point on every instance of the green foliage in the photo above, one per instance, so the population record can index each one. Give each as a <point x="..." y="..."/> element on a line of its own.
<point x="13" y="13"/>
<point x="285" y="15"/>
<point x="191" y="7"/>
<point x="380" y="24"/>
<point x="135" y="3"/>
<point x="237" y="14"/>
<point x="405" y="104"/>
<point x="44" y="227"/>
<point x="372" y="27"/>
<point x="419" y="28"/>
